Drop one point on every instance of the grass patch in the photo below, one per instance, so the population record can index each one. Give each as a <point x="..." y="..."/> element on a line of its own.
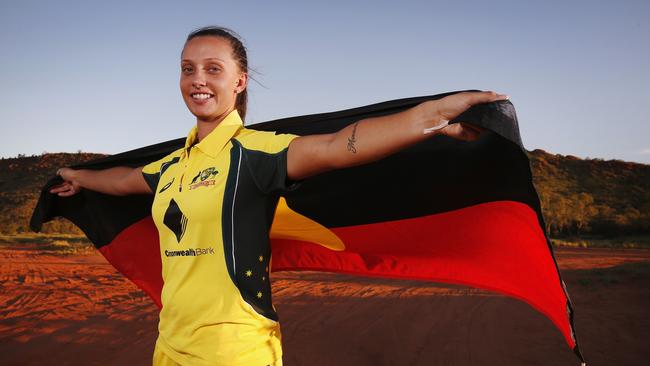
<point x="39" y="238"/>
<point x="619" y="242"/>
<point x="56" y="244"/>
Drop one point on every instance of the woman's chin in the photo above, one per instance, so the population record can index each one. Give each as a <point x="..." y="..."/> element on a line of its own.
<point x="201" y="111"/>
<point x="203" y="114"/>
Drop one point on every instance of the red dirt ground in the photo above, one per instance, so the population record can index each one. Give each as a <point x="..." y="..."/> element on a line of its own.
<point x="78" y="310"/>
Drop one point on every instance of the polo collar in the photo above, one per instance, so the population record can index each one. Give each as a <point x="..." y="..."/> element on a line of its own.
<point x="214" y="142"/>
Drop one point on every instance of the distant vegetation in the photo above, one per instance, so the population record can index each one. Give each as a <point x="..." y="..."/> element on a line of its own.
<point x="604" y="201"/>
<point x="21" y="180"/>
<point x="592" y="196"/>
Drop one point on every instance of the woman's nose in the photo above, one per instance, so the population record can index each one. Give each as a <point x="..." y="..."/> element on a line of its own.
<point x="198" y="83"/>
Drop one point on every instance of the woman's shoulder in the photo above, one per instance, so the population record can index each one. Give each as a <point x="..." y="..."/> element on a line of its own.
<point x="156" y="165"/>
<point x="267" y="141"/>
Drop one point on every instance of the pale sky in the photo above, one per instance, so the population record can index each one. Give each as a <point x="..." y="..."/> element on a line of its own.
<point x="102" y="76"/>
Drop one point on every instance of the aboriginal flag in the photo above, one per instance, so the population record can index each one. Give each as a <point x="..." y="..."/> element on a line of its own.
<point x="441" y="210"/>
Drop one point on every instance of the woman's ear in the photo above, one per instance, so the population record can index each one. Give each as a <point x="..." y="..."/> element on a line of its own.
<point x="242" y="83"/>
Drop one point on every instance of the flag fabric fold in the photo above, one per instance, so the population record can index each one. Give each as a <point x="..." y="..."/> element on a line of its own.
<point x="442" y="210"/>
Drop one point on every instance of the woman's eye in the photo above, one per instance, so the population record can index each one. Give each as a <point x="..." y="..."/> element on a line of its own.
<point x="213" y="69"/>
<point x="186" y="69"/>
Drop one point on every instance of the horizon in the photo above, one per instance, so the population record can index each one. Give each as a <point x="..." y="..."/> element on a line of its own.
<point x="104" y="77"/>
<point x="569" y="156"/>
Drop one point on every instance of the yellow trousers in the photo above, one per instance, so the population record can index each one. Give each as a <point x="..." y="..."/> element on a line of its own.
<point x="161" y="359"/>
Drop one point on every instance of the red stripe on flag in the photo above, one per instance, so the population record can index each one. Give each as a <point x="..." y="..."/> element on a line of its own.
<point x="497" y="246"/>
<point x="135" y="252"/>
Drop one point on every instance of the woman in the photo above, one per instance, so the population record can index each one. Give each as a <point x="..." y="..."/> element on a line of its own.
<point x="215" y="199"/>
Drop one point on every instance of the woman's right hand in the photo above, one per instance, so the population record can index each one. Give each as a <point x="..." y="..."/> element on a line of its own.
<point x="70" y="185"/>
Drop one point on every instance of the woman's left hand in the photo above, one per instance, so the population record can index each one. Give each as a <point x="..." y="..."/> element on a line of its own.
<point x="446" y="109"/>
<point x="462" y="131"/>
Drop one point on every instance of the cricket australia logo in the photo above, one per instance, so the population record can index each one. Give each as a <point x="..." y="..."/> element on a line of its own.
<point x="203" y="178"/>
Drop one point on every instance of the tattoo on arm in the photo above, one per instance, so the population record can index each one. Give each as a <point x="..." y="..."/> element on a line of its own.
<point x="352" y="139"/>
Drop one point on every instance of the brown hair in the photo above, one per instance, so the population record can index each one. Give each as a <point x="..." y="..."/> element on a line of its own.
<point x="238" y="53"/>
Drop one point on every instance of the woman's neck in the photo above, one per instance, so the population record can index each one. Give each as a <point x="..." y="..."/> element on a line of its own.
<point x="204" y="127"/>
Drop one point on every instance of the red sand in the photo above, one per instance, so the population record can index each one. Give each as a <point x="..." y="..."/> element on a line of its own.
<point x="77" y="310"/>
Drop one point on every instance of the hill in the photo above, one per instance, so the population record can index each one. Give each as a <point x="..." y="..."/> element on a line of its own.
<point x="579" y="196"/>
<point x="592" y="196"/>
<point x="21" y="180"/>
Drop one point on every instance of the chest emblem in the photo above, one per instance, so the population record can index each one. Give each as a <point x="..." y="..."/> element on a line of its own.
<point x="175" y="220"/>
<point x="203" y="178"/>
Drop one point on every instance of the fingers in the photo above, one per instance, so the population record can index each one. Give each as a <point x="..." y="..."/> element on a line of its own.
<point x="472" y="128"/>
<point x="59" y="188"/>
<point x="487" y="96"/>
<point x="469" y="132"/>
<point x="483" y="97"/>
<point x="67" y="193"/>
<point x="64" y="189"/>
<point x="464" y="131"/>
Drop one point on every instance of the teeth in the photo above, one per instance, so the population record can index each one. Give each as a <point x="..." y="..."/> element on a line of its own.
<point x="201" y="96"/>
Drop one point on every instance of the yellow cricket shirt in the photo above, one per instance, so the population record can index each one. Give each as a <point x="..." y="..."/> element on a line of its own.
<point x="213" y="207"/>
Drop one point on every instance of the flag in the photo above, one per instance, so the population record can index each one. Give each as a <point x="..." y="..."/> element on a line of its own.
<point x="462" y="212"/>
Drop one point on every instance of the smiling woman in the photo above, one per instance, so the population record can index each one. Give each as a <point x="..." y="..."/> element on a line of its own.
<point x="215" y="198"/>
<point x="214" y="75"/>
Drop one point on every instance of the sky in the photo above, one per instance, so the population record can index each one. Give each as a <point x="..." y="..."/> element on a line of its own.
<point x="100" y="76"/>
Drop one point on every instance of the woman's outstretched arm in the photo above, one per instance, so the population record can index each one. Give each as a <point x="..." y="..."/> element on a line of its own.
<point x="374" y="138"/>
<point x="117" y="181"/>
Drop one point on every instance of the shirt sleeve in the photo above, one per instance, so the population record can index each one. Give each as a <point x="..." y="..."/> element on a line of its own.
<point x="269" y="167"/>
<point x="152" y="171"/>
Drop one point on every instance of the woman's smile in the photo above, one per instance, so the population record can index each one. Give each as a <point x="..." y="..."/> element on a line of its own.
<point x="201" y="98"/>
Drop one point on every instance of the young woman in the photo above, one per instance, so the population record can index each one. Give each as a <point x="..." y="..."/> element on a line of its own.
<point x="219" y="193"/>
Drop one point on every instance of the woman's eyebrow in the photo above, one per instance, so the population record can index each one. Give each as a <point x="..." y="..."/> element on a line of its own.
<point x="206" y="59"/>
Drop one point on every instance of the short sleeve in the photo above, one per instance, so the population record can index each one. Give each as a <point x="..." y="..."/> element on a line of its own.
<point x="152" y="171"/>
<point x="268" y="163"/>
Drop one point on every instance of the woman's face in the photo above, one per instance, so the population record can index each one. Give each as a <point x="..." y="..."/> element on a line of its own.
<point x="210" y="78"/>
